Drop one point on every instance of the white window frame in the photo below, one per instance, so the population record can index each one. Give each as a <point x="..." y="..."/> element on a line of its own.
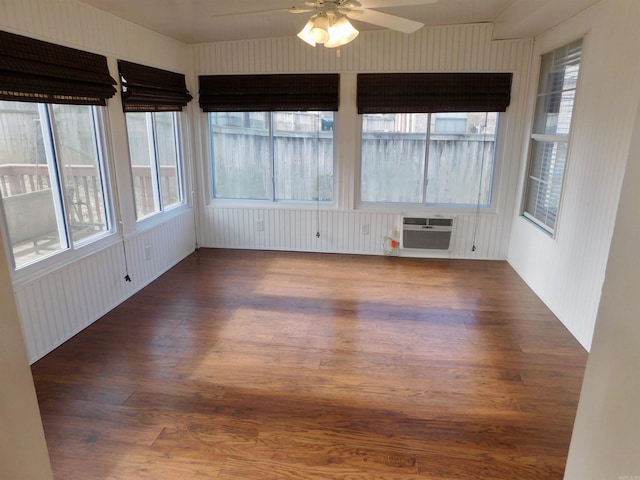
<point x="410" y="207"/>
<point x="549" y="139"/>
<point x="160" y="210"/>
<point x="71" y="251"/>
<point x="271" y="202"/>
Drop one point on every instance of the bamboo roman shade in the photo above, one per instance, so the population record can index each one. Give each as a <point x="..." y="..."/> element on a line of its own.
<point x="263" y="93"/>
<point x="433" y="92"/>
<point x="148" y="89"/>
<point x="36" y="71"/>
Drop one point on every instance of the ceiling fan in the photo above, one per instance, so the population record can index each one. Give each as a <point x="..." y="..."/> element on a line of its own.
<point x="329" y="25"/>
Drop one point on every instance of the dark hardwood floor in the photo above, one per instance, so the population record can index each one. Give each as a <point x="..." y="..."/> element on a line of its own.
<point x="266" y="365"/>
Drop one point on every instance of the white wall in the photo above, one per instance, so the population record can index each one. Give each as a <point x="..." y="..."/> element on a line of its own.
<point x="23" y="450"/>
<point x="606" y="436"/>
<point x="56" y="304"/>
<point x="567" y="272"/>
<point x="439" y="49"/>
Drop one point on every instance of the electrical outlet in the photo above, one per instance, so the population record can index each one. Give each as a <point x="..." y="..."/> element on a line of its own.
<point x="147" y="253"/>
<point x="260" y="225"/>
<point x="365" y="229"/>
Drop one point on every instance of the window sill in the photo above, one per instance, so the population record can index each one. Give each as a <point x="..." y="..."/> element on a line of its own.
<point x="424" y="210"/>
<point x="271" y="205"/>
<point x="538" y="224"/>
<point x="62" y="259"/>
<point x="156" y="219"/>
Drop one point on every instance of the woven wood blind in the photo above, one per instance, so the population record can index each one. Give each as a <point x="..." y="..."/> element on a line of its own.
<point x="148" y="89"/>
<point x="433" y="92"/>
<point x="262" y="93"/>
<point x="36" y="71"/>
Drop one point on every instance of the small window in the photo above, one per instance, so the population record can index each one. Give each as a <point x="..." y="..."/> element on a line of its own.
<point x="152" y="99"/>
<point x="52" y="178"/>
<point x="155" y="161"/>
<point x="272" y="156"/>
<point x="550" y="137"/>
<point x="422" y="158"/>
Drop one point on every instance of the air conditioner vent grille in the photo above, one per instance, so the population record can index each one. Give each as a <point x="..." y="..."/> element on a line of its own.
<point x="426" y="233"/>
<point x="441" y="222"/>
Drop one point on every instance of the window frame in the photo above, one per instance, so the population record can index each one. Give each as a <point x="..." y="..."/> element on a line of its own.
<point x="272" y="201"/>
<point x="440" y="208"/>
<point x="557" y="139"/>
<point x="82" y="247"/>
<point x="162" y="210"/>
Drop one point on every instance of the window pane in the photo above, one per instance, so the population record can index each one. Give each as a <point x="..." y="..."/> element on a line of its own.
<point x="240" y="146"/>
<point x="303" y="155"/>
<point x="32" y="209"/>
<point x="140" y="134"/>
<point x="168" y="158"/>
<point x="78" y="154"/>
<point x="393" y="157"/>
<point x="546" y="172"/>
<point x="554" y="113"/>
<point x="554" y="108"/>
<point x="461" y="158"/>
<point x="556" y="90"/>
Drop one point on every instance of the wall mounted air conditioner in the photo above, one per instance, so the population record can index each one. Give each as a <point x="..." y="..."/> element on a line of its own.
<point x="419" y="233"/>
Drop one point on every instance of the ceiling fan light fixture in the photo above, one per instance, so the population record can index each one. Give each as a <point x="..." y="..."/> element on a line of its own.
<point x="341" y="33"/>
<point x="305" y="34"/>
<point x="320" y="30"/>
<point x="330" y="26"/>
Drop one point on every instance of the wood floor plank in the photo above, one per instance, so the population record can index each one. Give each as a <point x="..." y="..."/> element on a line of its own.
<point x="281" y="365"/>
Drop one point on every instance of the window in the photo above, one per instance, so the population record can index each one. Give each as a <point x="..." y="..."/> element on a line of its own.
<point x="422" y="158"/>
<point x="151" y="98"/>
<point x="272" y="156"/>
<point x="429" y="138"/>
<point x="271" y="136"/>
<point x="155" y="161"/>
<point x="52" y="178"/>
<point x="550" y="137"/>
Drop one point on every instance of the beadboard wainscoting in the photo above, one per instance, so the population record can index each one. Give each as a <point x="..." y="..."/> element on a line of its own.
<point x="341" y="232"/>
<point x="56" y="306"/>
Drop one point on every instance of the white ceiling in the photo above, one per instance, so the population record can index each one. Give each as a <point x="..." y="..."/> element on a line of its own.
<point x="200" y="21"/>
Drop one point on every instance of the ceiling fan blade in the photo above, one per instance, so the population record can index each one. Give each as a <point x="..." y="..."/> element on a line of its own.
<point x="394" y="3"/>
<point x="385" y="20"/>
<point x="258" y="12"/>
<point x="300" y="10"/>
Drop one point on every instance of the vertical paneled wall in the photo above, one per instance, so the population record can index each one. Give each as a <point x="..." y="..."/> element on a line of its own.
<point x="439" y="49"/>
<point x="77" y="25"/>
<point x="567" y="271"/>
<point x="56" y="304"/>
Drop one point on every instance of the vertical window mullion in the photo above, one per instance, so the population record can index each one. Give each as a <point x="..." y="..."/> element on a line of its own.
<point x="100" y="149"/>
<point x="425" y="180"/>
<point x="179" y="158"/>
<point x="272" y="157"/>
<point x="56" y="182"/>
<point x="153" y="154"/>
